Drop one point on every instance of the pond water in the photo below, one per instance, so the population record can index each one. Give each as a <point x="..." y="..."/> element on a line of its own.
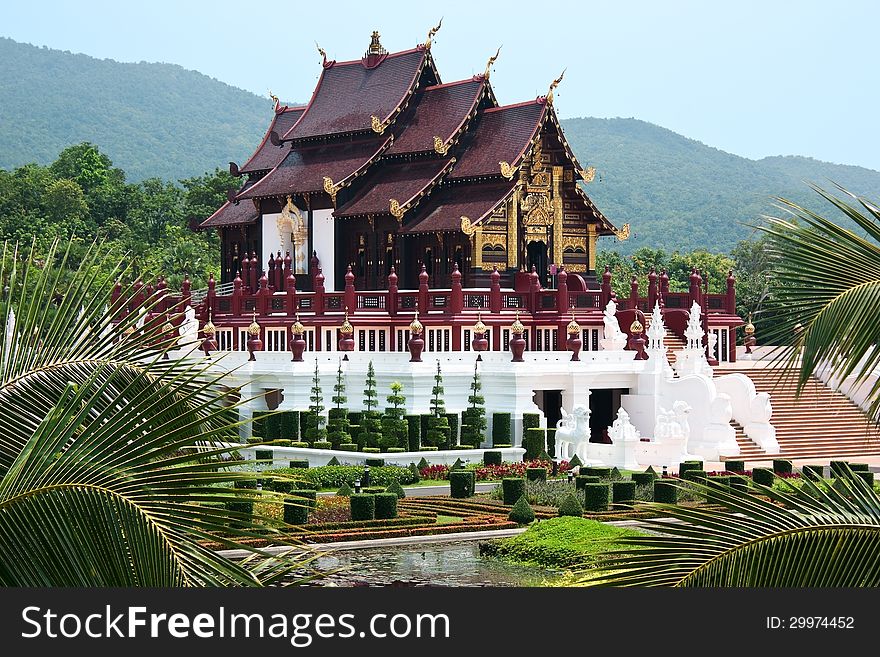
<point x="434" y="564"/>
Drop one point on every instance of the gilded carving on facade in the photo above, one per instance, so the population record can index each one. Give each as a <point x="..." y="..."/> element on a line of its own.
<point x="574" y="243"/>
<point x="440" y="147"/>
<point x="331" y="189"/>
<point x="506" y="170"/>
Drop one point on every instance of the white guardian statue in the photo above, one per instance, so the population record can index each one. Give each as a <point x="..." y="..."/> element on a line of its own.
<point x="615" y="339"/>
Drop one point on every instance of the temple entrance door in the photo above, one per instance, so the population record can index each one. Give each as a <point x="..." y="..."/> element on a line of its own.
<point x="604" y="404"/>
<point x="536" y="252"/>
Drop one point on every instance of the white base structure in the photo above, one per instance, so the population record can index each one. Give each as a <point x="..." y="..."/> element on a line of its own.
<point x="655" y="416"/>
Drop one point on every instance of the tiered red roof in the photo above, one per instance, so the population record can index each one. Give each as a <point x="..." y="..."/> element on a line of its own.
<point x="443" y="111"/>
<point x="233" y="214"/>
<point x="268" y="155"/>
<point x="382" y="129"/>
<point x="349" y="94"/>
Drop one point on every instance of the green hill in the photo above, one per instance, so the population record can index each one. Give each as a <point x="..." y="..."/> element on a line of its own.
<point x="151" y="119"/>
<point x="165" y="121"/>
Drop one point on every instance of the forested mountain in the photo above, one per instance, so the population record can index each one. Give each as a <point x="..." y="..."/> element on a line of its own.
<point x="160" y="120"/>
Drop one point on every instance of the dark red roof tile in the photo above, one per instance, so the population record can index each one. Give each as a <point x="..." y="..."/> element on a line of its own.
<point x="441" y="112"/>
<point x="444" y="209"/>
<point x="502" y="135"/>
<point x="403" y="182"/>
<point x="303" y="169"/>
<point x="233" y="214"/>
<point x="348" y="94"/>
<point x="268" y="156"/>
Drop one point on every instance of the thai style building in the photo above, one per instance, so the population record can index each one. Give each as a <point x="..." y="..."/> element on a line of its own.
<point x="393" y="192"/>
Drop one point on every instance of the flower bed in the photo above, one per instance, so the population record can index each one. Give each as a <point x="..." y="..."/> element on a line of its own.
<point x="494" y="472"/>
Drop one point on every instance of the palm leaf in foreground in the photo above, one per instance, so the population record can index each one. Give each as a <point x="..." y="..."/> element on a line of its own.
<point x="114" y="462"/>
<point x="825" y="291"/>
<point x="820" y="535"/>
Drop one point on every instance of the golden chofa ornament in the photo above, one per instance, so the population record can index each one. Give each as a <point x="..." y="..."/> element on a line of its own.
<point x="479" y="327"/>
<point x="636" y="327"/>
<point x="573" y="327"/>
<point x="749" y="327"/>
<point x="517" y="327"/>
<point x="297" y="328"/>
<point x="346" y="328"/>
<point x="254" y="328"/>
<point x="415" y="326"/>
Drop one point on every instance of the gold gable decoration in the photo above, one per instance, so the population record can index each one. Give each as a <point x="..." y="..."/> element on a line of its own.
<point x="439" y="146"/>
<point x="506" y="170"/>
<point x="553" y="86"/>
<point x="588" y="174"/>
<point x="331" y="189"/>
<point x="431" y="33"/>
<point x="377" y="125"/>
<point x="490" y="62"/>
<point x="467" y="226"/>
<point x="623" y="233"/>
<point x="396" y="209"/>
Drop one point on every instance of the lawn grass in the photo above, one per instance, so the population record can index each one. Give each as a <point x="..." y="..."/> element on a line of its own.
<point x="566" y="542"/>
<point x="448" y="520"/>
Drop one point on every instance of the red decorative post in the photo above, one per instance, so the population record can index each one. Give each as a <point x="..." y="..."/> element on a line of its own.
<point x="264" y="295"/>
<point x="137" y="297"/>
<point x="423" y="288"/>
<point x="254" y="342"/>
<point x="280" y="275"/>
<point x="479" y="342"/>
<point x="456" y="298"/>
<point x="271" y="267"/>
<point x="212" y="293"/>
<point x="517" y="342"/>
<point x="652" y="288"/>
<point x="350" y="299"/>
<point x="288" y="261"/>
<point x="605" y="297"/>
<point x="416" y="342"/>
<point x="236" y="295"/>
<point x="694" y="288"/>
<point x="562" y="306"/>
<point x="495" y="291"/>
<point x="161" y="293"/>
<point x="297" y="344"/>
<point x="534" y="290"/>
<point x="319" y="292"/>
<point x="634" y="293"/>
<point x="346" y="331"/>
<point x="664" y="287"/>
<point x="574" y="342"/>
<point x="245" y="271"/>
<point x="252" y="273"/>
<point x="636" y="342"/>
<point x="731" y="293"/>
<point x="392" y="293"/>
<point x="290" y="288"/>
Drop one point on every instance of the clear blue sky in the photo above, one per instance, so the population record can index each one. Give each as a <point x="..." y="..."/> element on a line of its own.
<point x="754" y="78"/>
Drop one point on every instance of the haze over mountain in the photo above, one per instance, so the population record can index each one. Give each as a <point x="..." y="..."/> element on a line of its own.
<point x="160" y="120"/>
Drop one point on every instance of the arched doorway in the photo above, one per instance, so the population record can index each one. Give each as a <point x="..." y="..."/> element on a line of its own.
<point x="536" y="252"/>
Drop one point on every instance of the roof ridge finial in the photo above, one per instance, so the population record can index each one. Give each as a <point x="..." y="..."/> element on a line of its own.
<point x="376" y="47"/>
<point x="274" y="99"/>
<point x="431" y="34"/>
<point x="553" y="86"/>
<point x="490" y="62"/>
<point x="321" y="52"/>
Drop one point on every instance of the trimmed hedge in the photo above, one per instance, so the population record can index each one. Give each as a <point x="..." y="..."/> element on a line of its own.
<point x="333" y="476"/>
<point x="299" y="444"/>
<point x="867" y="476"/>
<point x="289" y="421"/>
<point x="373" y="490"/>
<point x="491" y="458"/>
<point x="665" y="491"/>
<point x="582" y="480"/>
<point x="414" y="432"/>
<point x="536" y="474"/>
<point x="531" y="421"/>
<point x="684" y="466"/>
<point x="574" y="461"/>
<point x="348" y="447"/>
<point x="245" y="508"/>
<point x="386" y="506"/>
<point x="371" y="450"/>
<point x="551" y="442"/>
<point x="534" y="442"/>
<point x="452" y="419"/>
<point x="513" y="488"/>
<point x="623" y="492"/>
<point x="461" y="483"/>
<point x="354" y="417"/>
<point x="735" y="466"/>
<point x="604" y="474"/>
<point x="717" y="482"/>
<point x="346" y="491"/>
<point x="501" y="429"/>
<point x="429" y="448"/>
<point x="814" y="472"/>
<point x="397" y="489"/>
<point x="521" y="513"/>
<point x="643" y="478"/>
<point x="323" y="444"/>
<point x="781" y="466"/>
<point x="571" y="506"/>
<point x="396" y="450"/>
<point x="363" y="506"/>
<point x="596" y="496"/>
<point x="763" y="476"/>
<point x="374" y="462"/>
<point x="299" y="463"/>
<point x="859" y="467"/>
<point x="263" y="454"/>
<point x="694" y="475"/>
